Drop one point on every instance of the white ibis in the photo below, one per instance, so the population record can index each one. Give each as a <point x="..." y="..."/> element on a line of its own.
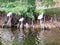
<point x="9" y="18"/>
<point x="40" y="16"/>
<point x="21" y="26"/>
<point x="41" y="36"/>
<point x="21" y="21"/>
<point x="9" y="14"/>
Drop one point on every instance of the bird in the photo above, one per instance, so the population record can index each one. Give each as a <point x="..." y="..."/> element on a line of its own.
<point x="21" y="26"/>
<point x="21" y="19"/>
<point x="40" y="16"/>
<point x="9" y="14"/>
<point x="21" y="23"/>
<point x="8" y="22"/>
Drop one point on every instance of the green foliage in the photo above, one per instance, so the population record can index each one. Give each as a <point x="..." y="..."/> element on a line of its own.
<point x="47" y="3"/>
<point x="39" y="11"/>
<point x="30" y="15"/>
<point x="17" y="8"/>
<point x="32" y="2"/>
<point x="25" y="7"/>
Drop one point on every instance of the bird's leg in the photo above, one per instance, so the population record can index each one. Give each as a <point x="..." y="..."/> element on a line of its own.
<point x="19" y="26"/>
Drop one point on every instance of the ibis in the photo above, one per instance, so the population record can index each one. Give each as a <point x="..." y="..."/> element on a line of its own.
<point x="21" y="22"/>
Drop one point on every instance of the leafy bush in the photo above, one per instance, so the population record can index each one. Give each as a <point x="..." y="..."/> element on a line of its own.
<point x="16" y="8"/>
<point x="25" y="8"/>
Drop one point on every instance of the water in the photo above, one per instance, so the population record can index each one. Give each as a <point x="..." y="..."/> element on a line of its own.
<point x="8" y="38"/>
<point x="33" y="38"/>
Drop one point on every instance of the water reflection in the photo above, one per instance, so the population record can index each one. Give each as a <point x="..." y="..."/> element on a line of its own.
<point x="9" y="38"/>
<point x="6" y="36"/>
